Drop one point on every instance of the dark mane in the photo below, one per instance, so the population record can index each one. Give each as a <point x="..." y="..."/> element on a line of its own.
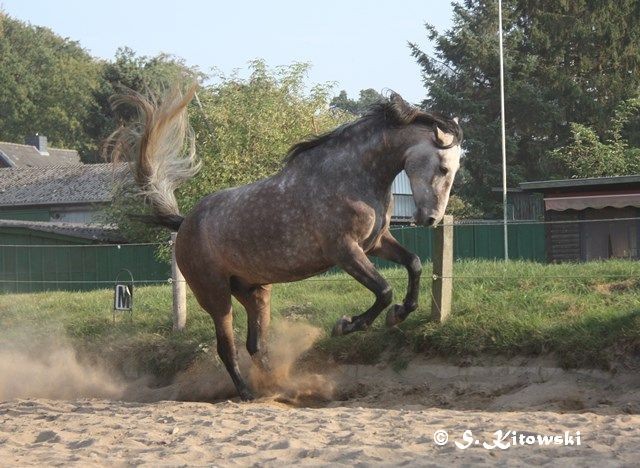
<point x="394" y="112"/>
<point x="318" y="140"/>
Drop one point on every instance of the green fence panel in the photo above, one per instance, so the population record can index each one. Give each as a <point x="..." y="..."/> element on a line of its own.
<point x="526" y="242"/>
<point x="28" y="269"/>
<point x="31" y="262"/>
<point x="464" y="245"/>
<point x="41" y="214"/>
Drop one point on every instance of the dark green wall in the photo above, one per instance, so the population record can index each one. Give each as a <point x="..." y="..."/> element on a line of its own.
<point x="27" y="268"/>
<point x="36" y="214"/>
<point x="31" y="268"/>
<point x="526" y="242"/>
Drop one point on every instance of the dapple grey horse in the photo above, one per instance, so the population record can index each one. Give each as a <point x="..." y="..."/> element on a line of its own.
<point x="330" y="205"/>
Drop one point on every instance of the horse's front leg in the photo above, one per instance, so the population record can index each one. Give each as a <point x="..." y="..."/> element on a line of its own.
<point x="352" y="259"/>
<point x="389" y="249"/>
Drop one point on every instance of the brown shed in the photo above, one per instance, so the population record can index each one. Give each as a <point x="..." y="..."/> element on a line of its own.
<point x="606" y="211"/>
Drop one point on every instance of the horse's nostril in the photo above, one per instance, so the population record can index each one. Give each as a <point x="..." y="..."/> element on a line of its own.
<point x="431" y="221"/>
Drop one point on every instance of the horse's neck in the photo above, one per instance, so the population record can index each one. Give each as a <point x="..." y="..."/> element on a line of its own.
<point x="382" y="166"/>
<point x="373" y="163"/>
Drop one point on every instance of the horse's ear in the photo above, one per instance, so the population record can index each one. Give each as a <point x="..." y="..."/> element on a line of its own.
<point x="402" y="109"/>
<point x="441" y="138"/>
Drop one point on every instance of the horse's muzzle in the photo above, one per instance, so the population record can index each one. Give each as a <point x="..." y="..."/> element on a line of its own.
<point x="425" y="218"/>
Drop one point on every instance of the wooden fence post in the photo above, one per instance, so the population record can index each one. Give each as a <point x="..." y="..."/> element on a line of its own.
<point x="179" y="290"/>
<point x="442" y="285"/>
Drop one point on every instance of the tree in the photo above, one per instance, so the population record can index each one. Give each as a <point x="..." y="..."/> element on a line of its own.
<point x="368" y="97"/>
<point x="129" y="71"/>
<point x="246" y="126"/>
<point x="565" y="61"/>
<point x="51" y="85"/>
<point x="46" y="85"/>
<point x="587" y="155"/>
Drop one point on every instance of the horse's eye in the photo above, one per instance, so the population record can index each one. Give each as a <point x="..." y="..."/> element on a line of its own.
<point x="444" y="170"/>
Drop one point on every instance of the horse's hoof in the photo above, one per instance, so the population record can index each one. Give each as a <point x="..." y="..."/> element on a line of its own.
<point x="394" y="315"/>
<point x="246" y="395"/>
<point x="341" y="324"/>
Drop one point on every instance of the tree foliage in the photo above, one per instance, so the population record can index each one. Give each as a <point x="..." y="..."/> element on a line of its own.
<point x="587" y="155"/>
<point x="52" y="86"/>
<point x="565" y="61"/>
<point x="46" y="85"/>
<point x="367" y="98"/>
<point x="129" y="71"/>
<point x="245" y="126"/>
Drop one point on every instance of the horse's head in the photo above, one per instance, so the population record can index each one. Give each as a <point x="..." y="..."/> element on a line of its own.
<point x="431" y="166"/>
<point x="431" y="159"/>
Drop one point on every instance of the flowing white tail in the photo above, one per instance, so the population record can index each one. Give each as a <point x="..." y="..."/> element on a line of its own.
<point x="160" y="148"/>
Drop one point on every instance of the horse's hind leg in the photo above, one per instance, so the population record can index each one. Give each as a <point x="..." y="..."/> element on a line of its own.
<point x="257" y="302"/>
<point x="216" y="300"/>
<point x="391" y="250"/>
<point x="352" y="259"/>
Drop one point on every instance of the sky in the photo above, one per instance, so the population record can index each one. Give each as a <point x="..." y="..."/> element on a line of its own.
<point x="356" y="44"/>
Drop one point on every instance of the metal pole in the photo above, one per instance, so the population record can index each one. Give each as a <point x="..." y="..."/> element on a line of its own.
<point x="504" y="144"/>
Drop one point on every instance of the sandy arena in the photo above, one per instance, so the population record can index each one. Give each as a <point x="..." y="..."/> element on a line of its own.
<point x="99" y="432"/>
<point x="384" y="418"/>
<point x="55" y="410"/>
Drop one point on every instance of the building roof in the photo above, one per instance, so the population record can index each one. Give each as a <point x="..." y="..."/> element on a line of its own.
<point x="17" y="155"/>
<point x="580" y="183"/>
<point x="591" y="192"/>
<point x="95" y="232"/>
<point x="59" y="185"/>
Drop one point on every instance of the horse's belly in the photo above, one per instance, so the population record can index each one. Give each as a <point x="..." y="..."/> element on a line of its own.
<point x="265" y="268"/>
<point x="272" y="254"/>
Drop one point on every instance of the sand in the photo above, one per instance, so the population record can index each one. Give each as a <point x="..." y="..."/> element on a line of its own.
<point x="59" y="409"/>
<point x="376" y="416"/>
<point x="101" y="432"/>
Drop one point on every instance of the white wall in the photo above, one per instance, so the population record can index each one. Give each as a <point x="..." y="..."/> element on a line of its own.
<point x="403" y="204"/>
<point x="401" y="184"/>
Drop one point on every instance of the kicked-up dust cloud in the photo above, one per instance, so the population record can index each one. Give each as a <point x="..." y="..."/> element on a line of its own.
<point x="55" y="370"/>
<point x="206" y="381"/>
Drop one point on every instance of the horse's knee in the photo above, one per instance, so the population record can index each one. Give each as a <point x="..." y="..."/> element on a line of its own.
<point x="225" y="351"/>
<point x="415" y="265"/>
<point x="386" y="296"/>
<point x="409" y="306"/>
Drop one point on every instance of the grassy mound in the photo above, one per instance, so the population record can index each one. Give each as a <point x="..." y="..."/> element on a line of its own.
<point x="586" y="314"/>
